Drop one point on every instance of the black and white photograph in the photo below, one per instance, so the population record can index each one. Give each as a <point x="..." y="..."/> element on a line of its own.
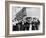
<point x="24" y="19"/>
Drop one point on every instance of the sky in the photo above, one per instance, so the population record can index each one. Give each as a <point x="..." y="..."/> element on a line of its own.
<point x="31" y="11"/>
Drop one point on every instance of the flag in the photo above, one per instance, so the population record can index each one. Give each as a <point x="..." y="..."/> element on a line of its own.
<point x="21" y="14"/>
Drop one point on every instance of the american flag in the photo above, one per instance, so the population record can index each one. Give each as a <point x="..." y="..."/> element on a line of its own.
<point x="21" y="14"/>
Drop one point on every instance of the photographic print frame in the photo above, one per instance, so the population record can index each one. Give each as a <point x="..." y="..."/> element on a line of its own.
<point x="7" y="4"/>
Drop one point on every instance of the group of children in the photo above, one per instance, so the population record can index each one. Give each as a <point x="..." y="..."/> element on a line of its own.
<point x="24" y="24"/>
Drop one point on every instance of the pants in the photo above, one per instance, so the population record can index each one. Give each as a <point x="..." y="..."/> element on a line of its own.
<point x="15" y="28"/>
<point x="36" y="27"/>
<point x="33" y="27"/>
<point x="22" y="28"/>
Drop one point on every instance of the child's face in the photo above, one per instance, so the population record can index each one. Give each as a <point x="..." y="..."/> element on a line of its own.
<point x="30" y="19"/>
<point x="24" y="19"/>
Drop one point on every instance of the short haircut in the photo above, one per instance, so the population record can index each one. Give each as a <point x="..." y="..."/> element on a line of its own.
<point x="28" y="18"/>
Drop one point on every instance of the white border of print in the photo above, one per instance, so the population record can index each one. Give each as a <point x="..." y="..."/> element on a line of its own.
<point x="24" y="32"/>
